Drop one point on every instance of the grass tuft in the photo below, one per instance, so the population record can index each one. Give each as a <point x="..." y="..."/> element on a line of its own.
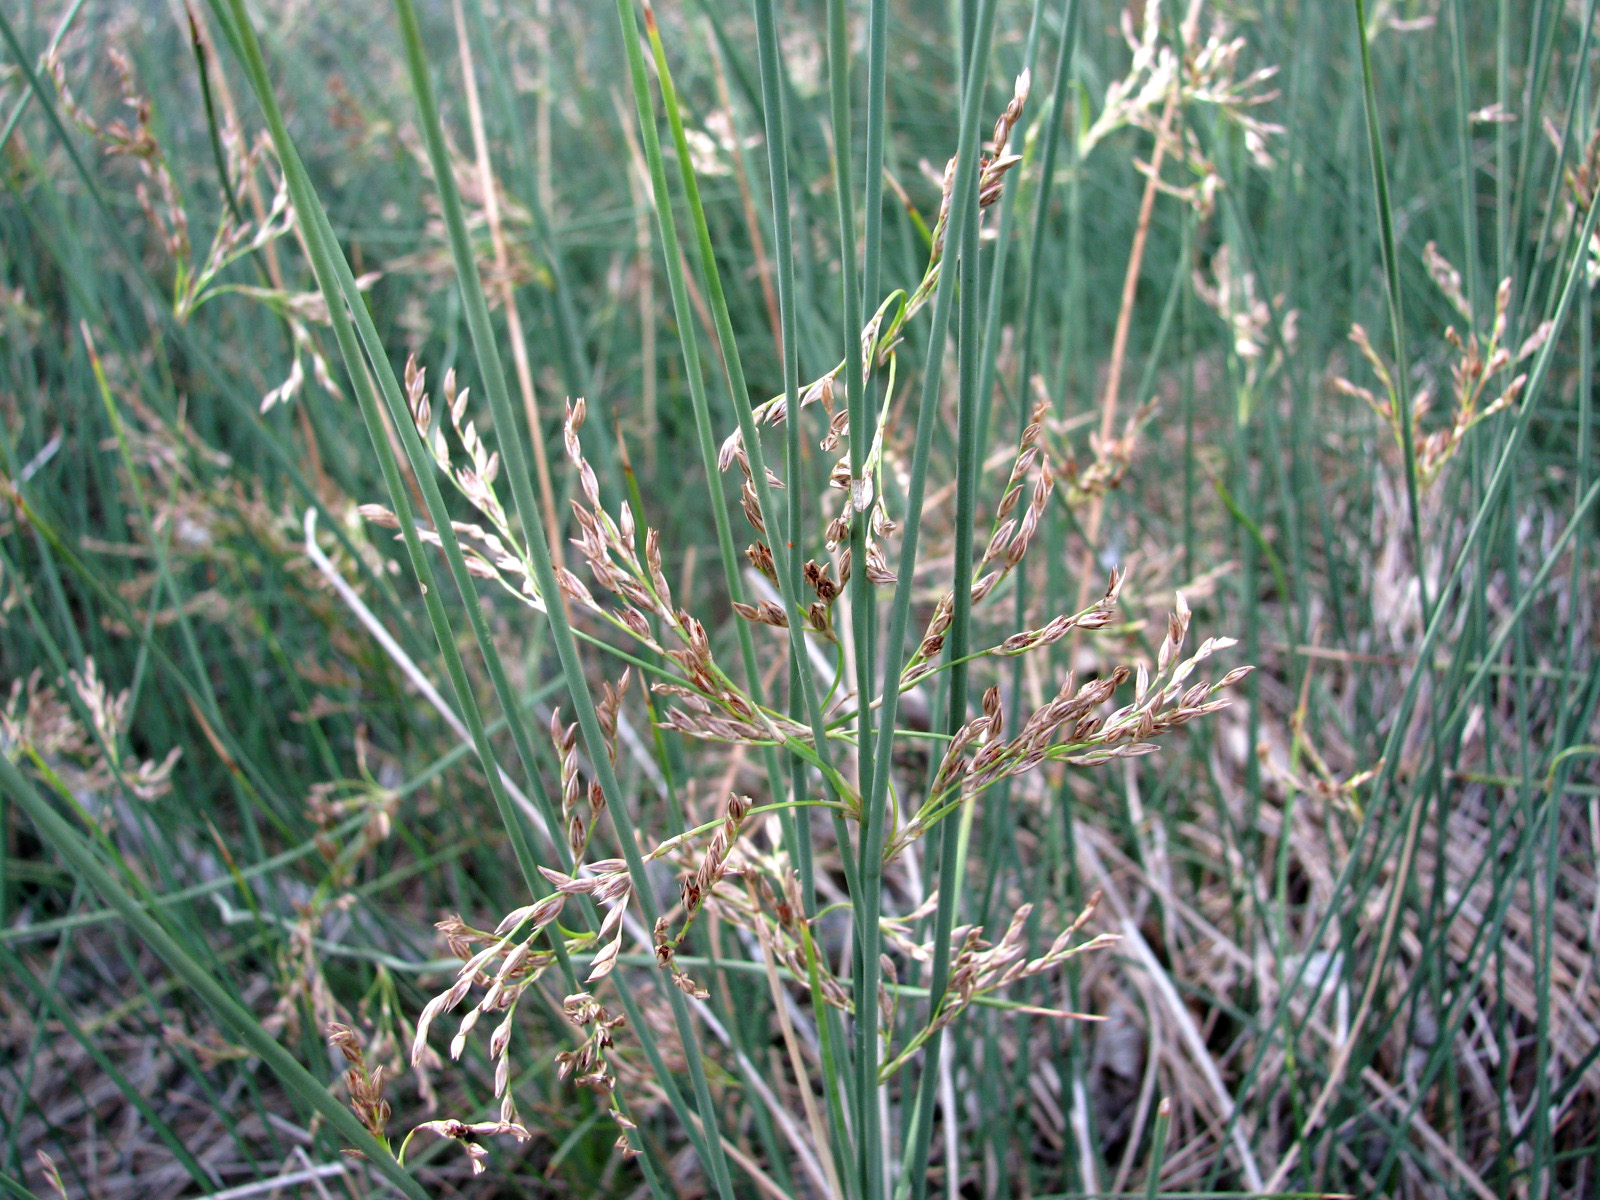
<point x="866" y="601"/>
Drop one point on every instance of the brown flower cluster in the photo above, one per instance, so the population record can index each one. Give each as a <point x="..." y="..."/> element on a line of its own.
<point x="1070" y="728"/>
<point x="697" y="887"/>
<point x="588" y="1066"/>
<point x="37" y="722"/>
<point x="879" y="338"/>
<point x="980" y="968"/>
<point x="581" y="806"/>
<point x="365" y="1086"/>
<point x="494" y="552"/>
<point x="1477" y="361"/>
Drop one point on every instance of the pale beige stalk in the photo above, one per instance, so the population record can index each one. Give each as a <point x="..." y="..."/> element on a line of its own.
<point x="503" y="281"/>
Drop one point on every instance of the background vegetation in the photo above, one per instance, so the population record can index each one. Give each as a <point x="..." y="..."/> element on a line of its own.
<point x="249" y="761"/>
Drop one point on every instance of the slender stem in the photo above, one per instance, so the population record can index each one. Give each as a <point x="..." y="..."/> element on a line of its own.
<point x="963" y="235"/>
<point x="1400" y="391"/>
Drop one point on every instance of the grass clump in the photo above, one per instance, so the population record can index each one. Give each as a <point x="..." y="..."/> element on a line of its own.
<point x="732" y="747"/>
